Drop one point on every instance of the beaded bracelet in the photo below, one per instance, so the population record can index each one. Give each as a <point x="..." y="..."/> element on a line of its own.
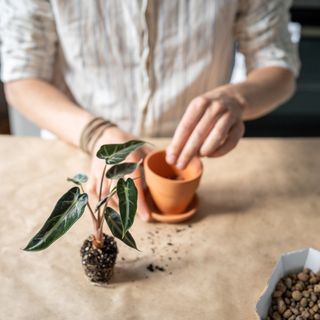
<point x="93" y="130"/>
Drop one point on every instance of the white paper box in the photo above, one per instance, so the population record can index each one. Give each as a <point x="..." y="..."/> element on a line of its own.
<point x="289" y="262"/>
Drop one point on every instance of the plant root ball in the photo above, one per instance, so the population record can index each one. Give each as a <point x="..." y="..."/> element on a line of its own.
<point x="98" y="264"/>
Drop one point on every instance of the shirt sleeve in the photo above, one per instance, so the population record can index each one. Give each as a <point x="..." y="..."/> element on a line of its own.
<point x="28" y="39"/>
<point x="261" y="30"/>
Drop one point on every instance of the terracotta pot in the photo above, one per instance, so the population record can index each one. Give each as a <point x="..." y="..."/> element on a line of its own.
<point x="171" y="189"/>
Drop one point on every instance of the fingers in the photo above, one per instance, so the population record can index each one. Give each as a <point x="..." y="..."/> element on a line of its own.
<point x="194" y="113"/>
<point x="114" y="203"/>
<point x="211" y="126"/>
<point x="94" y="182"/>
<point x="94" y="186"/>
<point x="91" y="185"/>
<point x="105" y="187"/>
<point x="143" y="209"/>
<point x="235" y="134"/>
<point x="218" y="135"/>
<point x="199" y="134"/>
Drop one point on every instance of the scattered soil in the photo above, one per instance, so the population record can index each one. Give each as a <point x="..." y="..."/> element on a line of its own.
<point x="171" y="250"/>
<point x="150" y="267"/>
<point x="296" y="297"/>
<point x="98" y="264"/>
<point x="160" y="268"/>
<point x="153" y="268"/>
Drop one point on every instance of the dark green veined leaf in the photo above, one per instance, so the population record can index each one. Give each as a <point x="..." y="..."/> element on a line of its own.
<point x="116" y="153"/>
<point x="119" y="170"/>
<point x="79" y="178"/>
<point x="114" y="222"/>
<point x="128" y="196"/>
<point x="66" y="212"/>
<point x="107" y="197"/>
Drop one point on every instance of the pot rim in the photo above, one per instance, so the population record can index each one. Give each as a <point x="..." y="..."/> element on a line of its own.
<point x="151" y="154"/>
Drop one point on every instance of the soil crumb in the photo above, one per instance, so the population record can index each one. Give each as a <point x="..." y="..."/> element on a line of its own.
<point x="153" y="268"/>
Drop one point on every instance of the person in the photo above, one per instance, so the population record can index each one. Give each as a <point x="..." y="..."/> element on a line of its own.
<point x="152" y="68"/>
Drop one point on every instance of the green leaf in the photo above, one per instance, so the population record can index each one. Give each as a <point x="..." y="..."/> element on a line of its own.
<point x="119" y="170"/>
<point x="128" y="196"/>
<point x="107" y="197"/>
<point x="114" y="222"/>
<point x="116" y="153"/>
<point x="66" y="212"/>
<point x="78" y="178"/>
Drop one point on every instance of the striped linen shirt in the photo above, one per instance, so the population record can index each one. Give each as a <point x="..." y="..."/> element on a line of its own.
<point x="139" y="63"/>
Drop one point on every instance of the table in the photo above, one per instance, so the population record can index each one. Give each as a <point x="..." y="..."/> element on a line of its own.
<point x="259" y="201"/>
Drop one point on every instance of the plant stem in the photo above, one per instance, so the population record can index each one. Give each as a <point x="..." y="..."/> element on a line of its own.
<point x="106" y="203"/>
<point x="101" y="181"/>
<point x="100" y="190"/>
<point x="90" y="209"/>
<point x="103" y="201"/>
<point x="99" y="230"/>
<point x="98" y="235"/>
<point x="102" y="217"/>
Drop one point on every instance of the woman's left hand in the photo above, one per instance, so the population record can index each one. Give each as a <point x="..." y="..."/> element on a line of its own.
<point x="211" y="127"/>
<point x="116" y="135"/>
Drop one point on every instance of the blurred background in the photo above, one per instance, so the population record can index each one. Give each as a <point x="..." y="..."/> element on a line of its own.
<point x="299" y="117"/>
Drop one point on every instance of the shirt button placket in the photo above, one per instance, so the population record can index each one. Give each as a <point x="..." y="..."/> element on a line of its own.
<point x="143" y="128"/>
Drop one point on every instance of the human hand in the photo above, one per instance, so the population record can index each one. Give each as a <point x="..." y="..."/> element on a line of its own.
<point x="116" y="135"/>
<point x="211" y="127"/>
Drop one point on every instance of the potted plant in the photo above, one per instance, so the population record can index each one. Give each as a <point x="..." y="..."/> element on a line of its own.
<point x="99" y="251"/>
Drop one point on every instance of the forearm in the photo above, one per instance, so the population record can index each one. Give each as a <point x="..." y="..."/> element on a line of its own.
<point x="48" y="108"/>
<point x="263" y="90"/>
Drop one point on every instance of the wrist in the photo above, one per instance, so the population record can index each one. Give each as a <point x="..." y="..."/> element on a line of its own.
<point x="92" y="132"/>
<point x="112" y="134"/>
<point x="107" y="137"/>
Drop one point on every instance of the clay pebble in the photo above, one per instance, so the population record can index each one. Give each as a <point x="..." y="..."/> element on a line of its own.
<point x="296" y="297"/>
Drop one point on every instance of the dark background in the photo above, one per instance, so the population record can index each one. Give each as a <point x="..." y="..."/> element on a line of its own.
<point x="4" y="122"/>
<point x="299" y="117"/>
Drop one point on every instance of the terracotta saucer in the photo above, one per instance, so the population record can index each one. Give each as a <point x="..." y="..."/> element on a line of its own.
<point x="173" y="218"/>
